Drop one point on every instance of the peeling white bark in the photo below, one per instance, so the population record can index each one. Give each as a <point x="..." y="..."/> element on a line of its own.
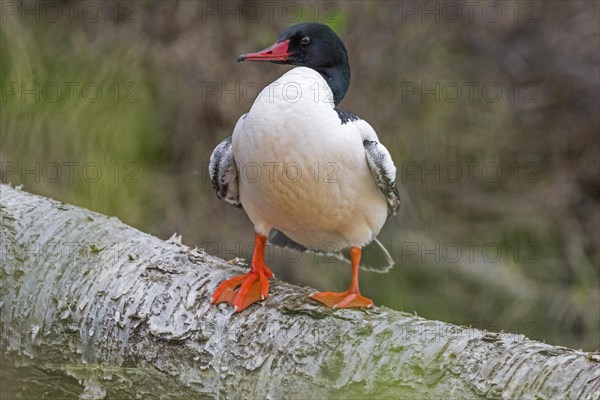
<point x="93" y="308"/>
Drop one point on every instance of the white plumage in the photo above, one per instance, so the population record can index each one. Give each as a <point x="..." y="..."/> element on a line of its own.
<point x="303" y="172"/>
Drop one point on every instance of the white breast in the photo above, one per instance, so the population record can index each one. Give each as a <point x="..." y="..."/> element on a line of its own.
<point x="301" y="171"/>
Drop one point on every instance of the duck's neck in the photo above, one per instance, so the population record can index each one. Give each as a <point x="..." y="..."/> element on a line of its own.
<point x="338" y="79"/>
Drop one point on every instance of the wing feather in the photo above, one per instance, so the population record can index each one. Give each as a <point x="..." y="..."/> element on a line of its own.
<point x="380" y="163"/>
<point x="384" y="172"/>
<point x="223" y="173"/>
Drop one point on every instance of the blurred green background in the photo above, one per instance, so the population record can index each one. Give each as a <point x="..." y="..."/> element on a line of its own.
<point x="490" y="111"/>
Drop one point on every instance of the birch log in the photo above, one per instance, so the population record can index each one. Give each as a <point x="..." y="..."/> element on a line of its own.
<point x="93" y="308"/>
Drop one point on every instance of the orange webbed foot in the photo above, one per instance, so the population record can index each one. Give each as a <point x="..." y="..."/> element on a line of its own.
<point x="351" y="298"/>
<point x="244" y="290"/>
<point x="347" y="299"/>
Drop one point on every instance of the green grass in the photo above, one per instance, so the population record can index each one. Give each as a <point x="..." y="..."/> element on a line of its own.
<point x="85" y="120"/>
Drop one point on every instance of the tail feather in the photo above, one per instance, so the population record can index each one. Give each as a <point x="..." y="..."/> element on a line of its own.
<point x="374" y="258"/>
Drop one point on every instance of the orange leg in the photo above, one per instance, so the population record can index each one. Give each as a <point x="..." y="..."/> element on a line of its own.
<point x="350" y="298"/>
<point x="244" y="290"/>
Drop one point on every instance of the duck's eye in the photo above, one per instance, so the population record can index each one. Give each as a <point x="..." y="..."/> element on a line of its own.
<point x="305" y="40"/>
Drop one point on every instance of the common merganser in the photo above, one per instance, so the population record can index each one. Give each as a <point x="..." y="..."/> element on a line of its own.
<point x="309" y="174"/>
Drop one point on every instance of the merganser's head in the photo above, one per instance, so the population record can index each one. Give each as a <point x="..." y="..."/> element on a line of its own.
<point x="312" y="45"/>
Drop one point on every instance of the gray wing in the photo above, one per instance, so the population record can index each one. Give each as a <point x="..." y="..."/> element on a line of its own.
<point x="380" y="163"/>
<point x="384" y="172"/>
<point x="223" y="173"/>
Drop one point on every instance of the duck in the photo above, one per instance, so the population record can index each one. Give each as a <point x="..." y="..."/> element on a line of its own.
<point x="310" y="175"/>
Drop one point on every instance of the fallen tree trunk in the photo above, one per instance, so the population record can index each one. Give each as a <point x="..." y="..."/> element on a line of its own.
<point x="93" y="308"/>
